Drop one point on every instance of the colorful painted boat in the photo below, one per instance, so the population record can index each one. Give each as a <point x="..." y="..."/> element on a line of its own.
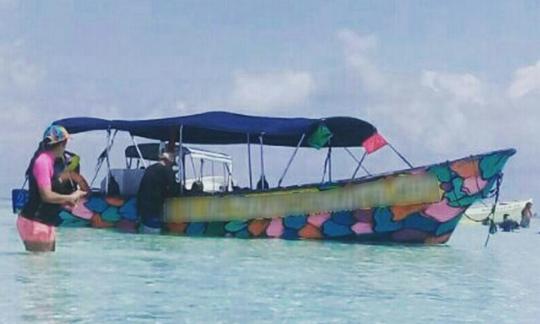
<point x="415" y="205"/>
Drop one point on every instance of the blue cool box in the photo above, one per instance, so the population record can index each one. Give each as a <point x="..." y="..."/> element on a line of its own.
<point x="19" y="197"/>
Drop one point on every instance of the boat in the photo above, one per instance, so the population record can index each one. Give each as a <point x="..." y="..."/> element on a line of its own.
<point x="480" y="210"/>
<point x="413" y="205"/>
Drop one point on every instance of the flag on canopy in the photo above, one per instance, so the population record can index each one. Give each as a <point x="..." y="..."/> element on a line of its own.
<point x="373" y="143"/>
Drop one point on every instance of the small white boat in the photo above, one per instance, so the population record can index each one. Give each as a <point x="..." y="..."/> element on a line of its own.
<point x="481" y="210"/>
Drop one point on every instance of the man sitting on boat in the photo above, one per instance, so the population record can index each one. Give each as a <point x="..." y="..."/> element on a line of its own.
<point x="158" y="183"/>
<point x="508" y="225"/>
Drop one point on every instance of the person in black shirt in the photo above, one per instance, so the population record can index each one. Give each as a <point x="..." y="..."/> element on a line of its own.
<point x="158" y="183"/>
<point x="508" y="225"/>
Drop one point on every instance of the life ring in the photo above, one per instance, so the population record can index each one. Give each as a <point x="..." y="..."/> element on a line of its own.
<point x="75" y="178"/>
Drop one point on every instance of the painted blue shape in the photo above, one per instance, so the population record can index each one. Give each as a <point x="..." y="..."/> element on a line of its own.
<point x="343" y="218"/>
<point x="333" y="229"/>
<point x="294" y="221"/>
<point x="382" y="217"/>
<point x="449" y="226"/>
<point x="289" y="234"/>
<point x="96" y="204"/>
<point x="242" y="234"/>
<point x="195" y="228"/>
<point x="419" y="222"/>
<point x="129" y="210"/>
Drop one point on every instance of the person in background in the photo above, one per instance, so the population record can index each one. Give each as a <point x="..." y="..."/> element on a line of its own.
<point x="158" y="183"/>
<point x="526" y="215"/>
<point x="38" y="218"/>
<point x="508" y="225"/>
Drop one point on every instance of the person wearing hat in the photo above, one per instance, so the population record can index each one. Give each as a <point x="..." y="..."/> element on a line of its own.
<point x="38" y="218"/>
<point x="158" y="183"/>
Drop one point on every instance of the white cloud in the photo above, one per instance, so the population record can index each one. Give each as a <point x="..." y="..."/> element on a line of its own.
<point x="16" y="72"/>
<point x="265" y="91"/>
<point x="461" y="87"/>
<point x="434" y="113"/>
<point x="357" y="54"/>
<point x="525" y="81"/>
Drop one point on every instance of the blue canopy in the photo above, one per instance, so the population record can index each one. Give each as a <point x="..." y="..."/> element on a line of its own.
<point x="230" y="128"/>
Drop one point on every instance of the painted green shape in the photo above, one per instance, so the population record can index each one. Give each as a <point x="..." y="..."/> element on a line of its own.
<point x="215" y="229"/>
<point x="449" y="226"/>
<point x="464" y="201"/>
<point x="491" y="165"/>
<point x="235" y="226"/>
<point x="457" y="192"/>
<point x="111" y="214"/>
<point x="442" y="172"/>
<point x="69" y="220"/>
<point x="320" y="137"/>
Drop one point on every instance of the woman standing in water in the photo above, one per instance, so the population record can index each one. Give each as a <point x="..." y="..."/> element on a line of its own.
<point x="37" y="220"/>
<point x="526" y="215"/>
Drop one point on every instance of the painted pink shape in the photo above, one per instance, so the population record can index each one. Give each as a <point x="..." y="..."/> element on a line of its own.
<point x="275" y="229"/>
<point x="362" y="228"/>
<point x="317" y="219"/>
<point x="473" y="185"/>
<point x="81" y="211"/>
<point x="442" y="212"/>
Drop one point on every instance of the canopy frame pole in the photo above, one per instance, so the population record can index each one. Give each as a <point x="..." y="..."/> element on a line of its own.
<point x="108" y="162"/>
<point x="110" y="142"/>
<point x="400" y="156"/>
<point x="263" y="178"/>
<point x="145" y="163"/>
<point x="201" y="169"/>
<point x="213" y="178"/>
<point x="291" y="159"/>
<point x="181" y="172"/>
<point x="330" y="163"/>
<point x="249" y="162"/>
<point x="359" y="165"/>
<point x="99" y="164"/>
<point x="357" y="161"/>
<point x="325" y="166"/>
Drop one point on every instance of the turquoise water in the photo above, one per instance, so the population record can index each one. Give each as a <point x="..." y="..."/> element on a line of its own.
<point x="99" y="276"/>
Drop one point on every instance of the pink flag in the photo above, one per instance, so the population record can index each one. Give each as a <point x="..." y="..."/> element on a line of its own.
<point x="373" y="143"/>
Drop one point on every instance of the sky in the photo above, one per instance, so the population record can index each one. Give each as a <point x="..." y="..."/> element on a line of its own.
<point x="440" y="80"/>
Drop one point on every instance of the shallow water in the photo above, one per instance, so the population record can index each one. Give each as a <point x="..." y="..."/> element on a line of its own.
<point x="99" y="276"/>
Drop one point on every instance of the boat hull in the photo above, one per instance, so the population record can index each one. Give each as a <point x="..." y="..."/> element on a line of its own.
<point x="421" y="205"/>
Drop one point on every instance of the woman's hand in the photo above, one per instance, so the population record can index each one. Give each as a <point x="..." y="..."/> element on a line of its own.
<point x="76" y="196"/>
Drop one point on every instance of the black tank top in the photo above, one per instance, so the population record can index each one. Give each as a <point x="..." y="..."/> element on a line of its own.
<point x="38" y="210"/>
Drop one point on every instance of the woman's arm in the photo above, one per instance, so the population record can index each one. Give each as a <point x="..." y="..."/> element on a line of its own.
<point x="51" y="197"/>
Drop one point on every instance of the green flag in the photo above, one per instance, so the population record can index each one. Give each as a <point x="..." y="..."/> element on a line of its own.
<point x="320" y="137"/>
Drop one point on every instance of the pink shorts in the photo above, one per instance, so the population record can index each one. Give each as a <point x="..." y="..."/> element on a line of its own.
<point x="36" y="235"/>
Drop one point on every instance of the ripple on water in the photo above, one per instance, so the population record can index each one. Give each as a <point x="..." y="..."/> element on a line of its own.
<point x="103" y="276"/>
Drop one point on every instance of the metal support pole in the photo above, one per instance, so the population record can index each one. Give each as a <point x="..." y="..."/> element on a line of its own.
<point x="401" y="156"/>
<point x="330" y="163"/>
<point x="181" y="172"/>
<point x="263" y="178"/>
<point x="139" y="151"/>
<point x="108" y="162"/>
<point x="359" y="165"/>
<point x="325" y="167"/>
<point x="291" y="159"/>
<point x="249" y="163"/>
<point x="357" y="161"/>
